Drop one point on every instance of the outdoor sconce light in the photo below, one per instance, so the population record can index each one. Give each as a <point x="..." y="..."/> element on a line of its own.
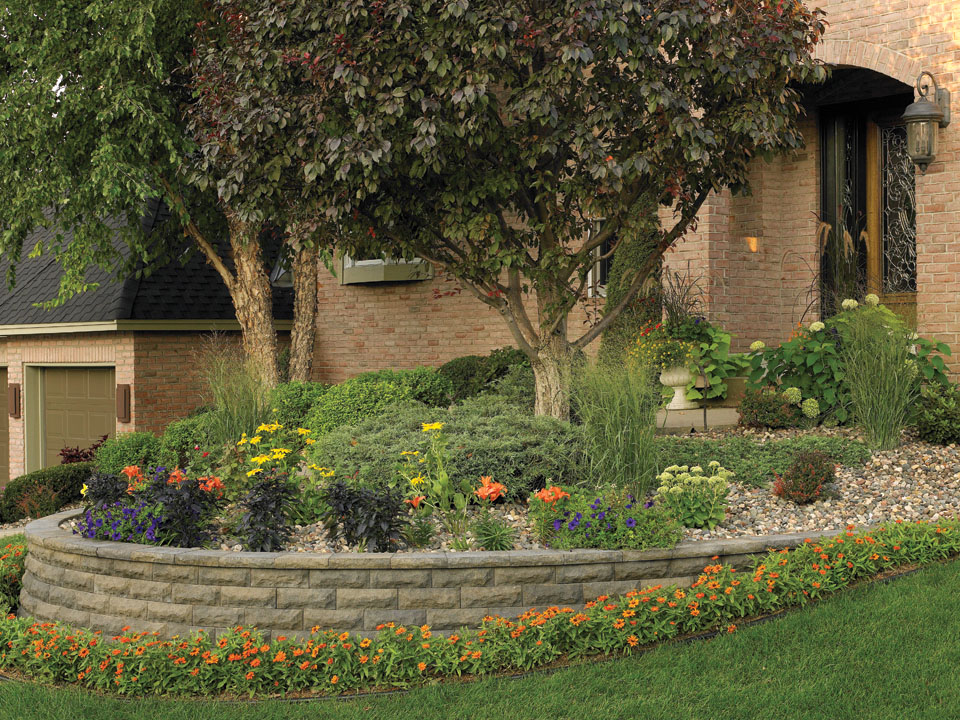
<point x="753" y="244"/>
<point x="923" y="117"/>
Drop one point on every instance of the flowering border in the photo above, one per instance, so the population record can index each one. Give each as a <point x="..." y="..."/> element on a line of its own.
<point x="241" y="662"/>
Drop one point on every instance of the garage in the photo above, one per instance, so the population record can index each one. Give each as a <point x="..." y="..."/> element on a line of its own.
<point x="79" y="407"/>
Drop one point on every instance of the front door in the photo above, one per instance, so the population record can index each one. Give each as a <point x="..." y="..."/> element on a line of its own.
<point x="868" y="237"/>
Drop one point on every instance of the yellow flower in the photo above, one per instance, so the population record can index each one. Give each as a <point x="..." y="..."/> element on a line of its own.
<point x="303" y="431"/>
<point x="418" y="480"/>
<point x="255" y="440"/>
<point x="243" y="440"/>
<point x="427" y="427"/>
<point x="254" y="472"/>
<point x="280" y="453"/>
<point x="260" y="459"/>
<point x="322" y="471"/>
<point x="272" y="427"/>
<point x="309" y="441"/>
<point x="410" y="452"/>
<point x="83" y="490"/>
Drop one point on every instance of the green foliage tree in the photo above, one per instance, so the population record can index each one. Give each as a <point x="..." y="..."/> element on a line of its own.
<point x="487" y="138"/>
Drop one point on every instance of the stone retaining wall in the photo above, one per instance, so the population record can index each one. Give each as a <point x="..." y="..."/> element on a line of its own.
<point x="107" y="585"/>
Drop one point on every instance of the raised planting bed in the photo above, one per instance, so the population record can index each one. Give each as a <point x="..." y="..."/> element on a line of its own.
<point x="107" y="585"/>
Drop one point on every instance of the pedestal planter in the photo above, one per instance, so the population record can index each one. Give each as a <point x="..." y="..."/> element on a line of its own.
<point x="678" y="378"/>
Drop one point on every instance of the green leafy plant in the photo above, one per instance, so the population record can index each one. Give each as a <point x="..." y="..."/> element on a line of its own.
<point x="715" y="362"/>
<point x="291" y="402"/>
<point x="769" y="408"/>
<point x="882" y="374"/>
<point x="44" y="491"/>
<point x="617" y="409"/>
<point x="420" y="531"/>
<point x="937" y="414"/>
<point x="353" y="402"/>
<point x="492" y="533"/>
<point x="804" y="480"/>
<point x="130" y="448"/>
<point x="182" y="438"/>
<point x="694" y="498"/>
<point x="472" y="374"/>
<point x="12" y="558"/>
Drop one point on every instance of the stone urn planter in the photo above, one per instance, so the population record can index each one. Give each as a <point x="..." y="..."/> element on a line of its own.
<point x="678" y="377"/>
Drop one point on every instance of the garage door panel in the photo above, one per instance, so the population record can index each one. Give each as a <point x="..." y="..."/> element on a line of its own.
<point x="79" y="408"/>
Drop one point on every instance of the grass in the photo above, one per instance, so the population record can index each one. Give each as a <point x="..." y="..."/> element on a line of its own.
<point x="879" y="651"/>
<point x="754" y="462"/>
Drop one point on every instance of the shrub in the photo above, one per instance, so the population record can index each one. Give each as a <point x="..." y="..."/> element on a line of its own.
<point x="292" y="402"/>
<point x="754" y="462"/>
<point x="131" y="448"/>
<point x="353" y="402"/>
<point x="492" y="533"/>
<point x="617" y="410"/>
<point x="12" y="558"/>
<point x="803" y="481"/>
<point x="516" y="386"/>
<point x="365" y="517"/>
<point x="423" y="384"/>
<point x="882" y="374"/>
<point x="487" y="436"/>
<point x="694" y="498"/>
<point x="606" y="519"/>
<point x="181" y="437"/>
<point x="471" y="375"/>
<point x="937" y="414"/>
<point x="769" y="408"/>
<point x="43" y="492"/>
<point x="265" y="524"/>
<point x="75" y="454"/>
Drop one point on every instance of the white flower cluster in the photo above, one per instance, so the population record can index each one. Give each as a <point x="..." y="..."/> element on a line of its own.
<point x="810" y="408"/>
<point x="758" y="345"/>
<point x="849" y="304"/>
<point x="678" y="479"/>
<point x="816" y="326"/>
<point x="793" y="395"/>
<point x="871" y="300"/>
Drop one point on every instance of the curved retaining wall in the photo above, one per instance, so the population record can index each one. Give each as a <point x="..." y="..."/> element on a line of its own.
<point x="107" y="585"/>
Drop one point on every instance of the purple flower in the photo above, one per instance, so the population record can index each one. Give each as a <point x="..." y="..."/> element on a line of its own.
<point x="557" y="523"/>
<point x="648" y="504"/>
<point x="631" y="522"/>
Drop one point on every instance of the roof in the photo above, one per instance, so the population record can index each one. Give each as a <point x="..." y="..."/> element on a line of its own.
<point x="182" y="292"/>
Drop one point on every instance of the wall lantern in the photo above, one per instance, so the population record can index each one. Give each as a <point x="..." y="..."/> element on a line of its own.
<point x="753" y="244"/>
<point x="923" y="118"/>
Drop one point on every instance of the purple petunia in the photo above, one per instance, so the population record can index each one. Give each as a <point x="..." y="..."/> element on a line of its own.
<point x="631" y="523"/>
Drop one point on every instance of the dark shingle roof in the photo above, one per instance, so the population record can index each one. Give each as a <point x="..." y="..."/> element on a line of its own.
<point x="190" y="291"/>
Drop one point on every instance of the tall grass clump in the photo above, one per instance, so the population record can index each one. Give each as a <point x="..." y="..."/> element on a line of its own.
<point x="882" y="374"/>
<point x="238" y="397"/>
<point x="617" y="408"/>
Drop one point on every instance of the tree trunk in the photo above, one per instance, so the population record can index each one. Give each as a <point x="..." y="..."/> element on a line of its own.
<point x="552" y="370"/>
<point x="253" y="300"/>
<point x="305" y="268"/>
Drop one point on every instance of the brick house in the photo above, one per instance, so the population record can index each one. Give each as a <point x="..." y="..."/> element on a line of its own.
<point x="759" y="256"/>
<point x="115" y="359"/>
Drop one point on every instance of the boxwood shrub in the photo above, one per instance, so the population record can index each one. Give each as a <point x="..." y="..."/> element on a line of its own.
<point x="43" y="492"/>
<point x="471" y="375"/>
<point x="937" y="415"/>
<point x="180" y="437"/>
<point x="292" y="401"/>
<point x="487" y="436"/>
<point x="132" y="448"/>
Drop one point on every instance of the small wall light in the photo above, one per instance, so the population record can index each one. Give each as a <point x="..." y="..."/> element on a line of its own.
<point x="923" y="118"/>
<point x="753" y="243"/>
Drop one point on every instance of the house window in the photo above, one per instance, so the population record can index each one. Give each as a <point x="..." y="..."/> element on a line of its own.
<point x="374" y="269"/>
<point x="600" y="272"/>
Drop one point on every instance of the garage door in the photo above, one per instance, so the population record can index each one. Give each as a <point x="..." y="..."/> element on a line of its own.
<point x="4" y="435"/>
<point x="79" y="406"/>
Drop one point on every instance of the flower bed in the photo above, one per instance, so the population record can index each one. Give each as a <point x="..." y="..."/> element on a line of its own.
<point x="241" y="661"/>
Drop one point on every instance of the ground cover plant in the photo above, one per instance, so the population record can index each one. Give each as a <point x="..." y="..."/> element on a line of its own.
<point x="753" y="462"/>
<point x="241" y="661"/>
<point x="13" y="554"/>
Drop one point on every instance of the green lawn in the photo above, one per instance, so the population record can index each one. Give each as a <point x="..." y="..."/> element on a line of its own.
<point x="879" y="651"/>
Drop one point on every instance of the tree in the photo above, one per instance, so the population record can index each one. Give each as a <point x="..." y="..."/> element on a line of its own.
<point x="95" y="100"/>
<point x="487" y="138"/>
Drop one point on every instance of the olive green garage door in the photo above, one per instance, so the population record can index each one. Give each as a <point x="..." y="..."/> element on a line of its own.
<point x="79" y="407"/>
<point x="4" y="435"/>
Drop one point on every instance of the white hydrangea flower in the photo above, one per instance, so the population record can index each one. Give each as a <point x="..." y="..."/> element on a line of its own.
<point x="816" y="326"/>
<point x="793" y="395"/>
<point x="849" y="304"/>
<point x="872" y="300"/>
<point x="758" y="345"/>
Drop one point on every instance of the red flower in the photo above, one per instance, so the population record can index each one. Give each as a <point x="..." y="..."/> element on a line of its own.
<point x="415" y="502"/>
<point x="489" y="490"/>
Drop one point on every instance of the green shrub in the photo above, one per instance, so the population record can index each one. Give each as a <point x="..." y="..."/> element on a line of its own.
<point x="471" y="375"/>
<point x="695" y="498"/>
<point x="937" y="414"/>
<point x="292" y="402"/>
<point x="769" y="408"/>
<point x="755" y="463"/>
<point x="43" y="492"/>
<point x="352" y="402"/>
<point x="423" y="384"/>
<point x="487" y="436"/>
<point x="617" y="409"/>
<point x="132" y="448"/>
<point x="180" y="437"/>
<point x="882" y="374"/>
<point x="516" y="387"/>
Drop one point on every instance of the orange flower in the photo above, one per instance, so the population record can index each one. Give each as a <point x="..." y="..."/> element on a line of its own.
<point x="249" y="675"/>
<point x="551" y="494"/>
<point x="421" y="666"/>
<point x="415" y="502"/>
<point x="489" y="490"/>
<point x="633" y="641"/>
<point x="334" y="679"/>
<point x="131" y="471"/>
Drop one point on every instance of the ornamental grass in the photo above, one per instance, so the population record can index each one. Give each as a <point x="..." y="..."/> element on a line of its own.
<point x="242" y="662"/>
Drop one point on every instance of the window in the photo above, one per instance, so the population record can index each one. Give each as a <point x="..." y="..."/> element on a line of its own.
<point x="600" y="272"/>
<point x="371" y="269"/>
